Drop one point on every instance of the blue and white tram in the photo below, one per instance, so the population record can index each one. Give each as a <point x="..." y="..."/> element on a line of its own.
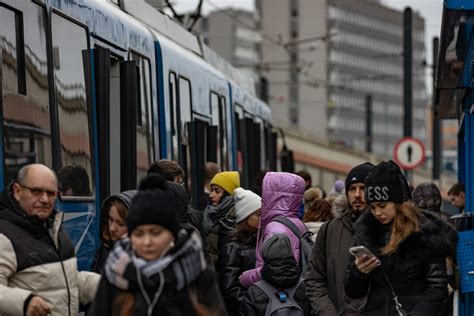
<point x="455" y="100"/>
<point x="98" y="94"/>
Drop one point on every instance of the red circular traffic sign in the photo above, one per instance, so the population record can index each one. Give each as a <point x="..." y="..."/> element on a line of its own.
<point x="409" y="153"/>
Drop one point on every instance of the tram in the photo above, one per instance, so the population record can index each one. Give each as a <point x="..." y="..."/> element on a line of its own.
<point x="98" y="91"/>
<point x="455" y="100"/>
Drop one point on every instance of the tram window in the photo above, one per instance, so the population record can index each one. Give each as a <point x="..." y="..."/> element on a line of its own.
<point x="26" y="112"/>
<point x="239" y="115"/>
<point x="173" y="115"/>
<point x="144" y="130"/>
<point x="69" y="42"/>
<point x="215" y="112"/>
<point x="223" y="132"/>
<point x="184" y="106"/>
<point x="8" y="42"/>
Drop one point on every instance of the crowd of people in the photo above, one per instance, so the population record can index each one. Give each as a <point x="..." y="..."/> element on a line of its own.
<point x="372" y="246"/>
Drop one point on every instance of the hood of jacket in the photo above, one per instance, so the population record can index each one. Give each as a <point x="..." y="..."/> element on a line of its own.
<point x="436" y="237"/>
<point x="125" y="197"/>
<point x="282" y="194"/>
<point x="340" y="206"/>
<point x="182" y="196"/>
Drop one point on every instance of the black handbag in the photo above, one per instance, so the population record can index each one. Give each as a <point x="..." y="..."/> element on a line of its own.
<point x="398" y="305"/>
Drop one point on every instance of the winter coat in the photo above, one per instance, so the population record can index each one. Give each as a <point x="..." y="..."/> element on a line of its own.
<point x="417" y="270"/>
<point x="235" y="257"/>
<point x="281" y="274"/>
<point x="37" y="258"/>
<point x="314" y="228"/>
<point x="324" y="279"/>
<point x="102" y="252"/>
<point x="121" y="290"/>
<point x="187" y="213"/>
<point x="212" y="216"/>
<point x="282" y="194"/>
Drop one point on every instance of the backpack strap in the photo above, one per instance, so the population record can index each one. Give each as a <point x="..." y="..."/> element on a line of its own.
<point x="266" y="287"/>
<point x="285" y="221"/>
<point x="273" y="294"/>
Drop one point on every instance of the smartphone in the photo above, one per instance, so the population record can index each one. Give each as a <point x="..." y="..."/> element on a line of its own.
<point x="360" y="251"/>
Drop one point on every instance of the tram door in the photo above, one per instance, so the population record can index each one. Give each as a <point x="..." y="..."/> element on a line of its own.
<point x="123" y="119"/>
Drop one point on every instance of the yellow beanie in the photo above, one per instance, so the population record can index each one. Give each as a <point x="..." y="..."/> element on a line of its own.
<point x="227" y="180"/>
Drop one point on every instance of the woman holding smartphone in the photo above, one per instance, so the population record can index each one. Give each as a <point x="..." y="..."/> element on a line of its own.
<point x="406" y="275"/>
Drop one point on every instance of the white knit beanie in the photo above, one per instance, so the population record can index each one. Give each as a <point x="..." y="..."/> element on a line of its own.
<point x="246" y="202"/>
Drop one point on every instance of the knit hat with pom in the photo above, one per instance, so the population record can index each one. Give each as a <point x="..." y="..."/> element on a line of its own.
<point x="154" y="204"/>
<point x="246" y="202"/>
<point x="227" y="180"/>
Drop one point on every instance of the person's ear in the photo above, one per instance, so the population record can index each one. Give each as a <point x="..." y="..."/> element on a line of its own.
<point x="16" y="191"/>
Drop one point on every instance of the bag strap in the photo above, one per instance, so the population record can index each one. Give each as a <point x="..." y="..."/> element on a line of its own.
<point x="285" y="221"/>
<point x="398" y="305"/>
<point x="266" y="287"/>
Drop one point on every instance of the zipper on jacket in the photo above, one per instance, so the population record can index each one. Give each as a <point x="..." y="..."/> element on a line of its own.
<point x="61" y="262"/>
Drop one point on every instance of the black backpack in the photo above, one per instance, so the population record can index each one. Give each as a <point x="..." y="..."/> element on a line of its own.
<point x="281" y="302"/>
<point x="306" y="243"/>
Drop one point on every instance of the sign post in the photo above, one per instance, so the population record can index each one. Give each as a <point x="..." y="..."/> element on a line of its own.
<point x="409" y="153"/>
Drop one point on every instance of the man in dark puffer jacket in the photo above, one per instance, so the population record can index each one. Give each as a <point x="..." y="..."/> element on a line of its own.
<point x="281" y="271"/>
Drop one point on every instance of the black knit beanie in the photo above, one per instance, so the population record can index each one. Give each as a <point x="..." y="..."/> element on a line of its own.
<point x="154" y="204"/>
<point x="386" y="183"/>
<point x="358" y="174"/>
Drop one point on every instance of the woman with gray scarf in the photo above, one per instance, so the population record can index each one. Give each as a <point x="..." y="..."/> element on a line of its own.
<point x="160" y="268"/>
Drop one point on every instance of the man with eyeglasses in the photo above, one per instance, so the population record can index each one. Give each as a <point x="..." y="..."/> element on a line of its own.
<point x="38" y="267"/>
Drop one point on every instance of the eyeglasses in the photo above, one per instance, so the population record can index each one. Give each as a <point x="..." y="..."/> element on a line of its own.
<point x="37" y="192"/>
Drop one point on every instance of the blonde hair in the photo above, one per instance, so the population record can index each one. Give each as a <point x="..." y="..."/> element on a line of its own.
<point x="405" y="223"/>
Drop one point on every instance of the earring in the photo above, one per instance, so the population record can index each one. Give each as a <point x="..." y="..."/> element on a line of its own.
<point x="171" y="245"/>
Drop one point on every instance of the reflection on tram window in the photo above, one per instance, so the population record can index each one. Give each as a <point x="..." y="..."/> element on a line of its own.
<point x="69" y="42"/>
<point x="73" y="181"/>
<point x="144" y="131"/>
<point x="26" y="114"/>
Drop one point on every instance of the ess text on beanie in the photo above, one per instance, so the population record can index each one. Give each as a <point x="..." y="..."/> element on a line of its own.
<point x="386" y="183"/>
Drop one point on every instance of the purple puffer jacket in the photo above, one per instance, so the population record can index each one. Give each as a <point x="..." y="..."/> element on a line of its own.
<point x="282" y="194"/>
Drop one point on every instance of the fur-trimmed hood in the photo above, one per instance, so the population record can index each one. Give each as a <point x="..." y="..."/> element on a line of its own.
<point x="436" y="237"/>
<point x="340" y="206"/>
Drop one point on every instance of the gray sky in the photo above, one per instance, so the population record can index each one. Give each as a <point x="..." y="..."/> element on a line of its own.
<point x="430" y="10"/>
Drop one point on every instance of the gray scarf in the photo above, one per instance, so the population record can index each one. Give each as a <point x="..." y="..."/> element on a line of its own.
<point x="179" y="267"/>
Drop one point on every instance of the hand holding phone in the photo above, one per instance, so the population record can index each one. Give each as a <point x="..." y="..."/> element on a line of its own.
<point x="365" y="261"/>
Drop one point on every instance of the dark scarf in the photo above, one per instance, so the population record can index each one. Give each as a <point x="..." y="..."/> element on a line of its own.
<point x="177" y="269"/>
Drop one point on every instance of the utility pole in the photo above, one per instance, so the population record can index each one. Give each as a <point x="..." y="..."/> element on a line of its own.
<point x="368" y="123"/>
<point x="407" y="77"/>
<point x="294" y="67"/>
<point x="407" y="72"/>
<point x="437" y="146"/>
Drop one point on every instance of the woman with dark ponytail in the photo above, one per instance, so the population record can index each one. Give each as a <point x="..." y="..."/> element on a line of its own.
<point x="159" y="269"/>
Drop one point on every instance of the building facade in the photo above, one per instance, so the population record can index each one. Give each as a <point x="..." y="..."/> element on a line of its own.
<point x="338" y="52"/>
<point x="233" y="34"/>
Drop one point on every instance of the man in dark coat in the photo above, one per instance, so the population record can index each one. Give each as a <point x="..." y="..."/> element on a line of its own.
<point x="325" y="276"/>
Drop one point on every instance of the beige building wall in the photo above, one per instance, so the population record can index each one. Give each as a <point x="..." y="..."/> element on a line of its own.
<point x="313" y="77"/>
<point x="312" y="58"/>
